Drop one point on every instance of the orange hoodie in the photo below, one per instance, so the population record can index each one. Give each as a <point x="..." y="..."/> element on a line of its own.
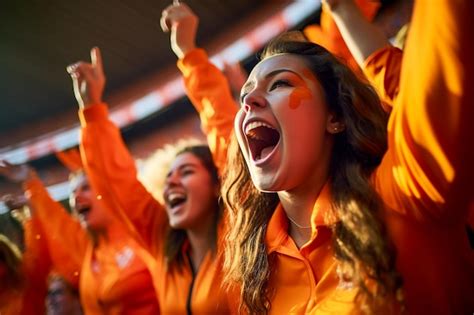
<point x="426" y="171"/>
<point x="112" y="278"/>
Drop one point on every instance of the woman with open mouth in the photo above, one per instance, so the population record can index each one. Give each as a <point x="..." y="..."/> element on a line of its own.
<point x="182" y="234"/>
<point x="95" y="252"/>
<point x="331" y="211"/>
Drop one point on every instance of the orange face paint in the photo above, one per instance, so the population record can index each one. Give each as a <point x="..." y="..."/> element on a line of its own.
<point x="302" y="93"/>
<point x="299" y="95"/>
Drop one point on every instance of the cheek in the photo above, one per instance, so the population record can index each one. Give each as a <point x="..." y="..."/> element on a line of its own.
<point x="297" y="96"/>
<point x="238" y="121"/>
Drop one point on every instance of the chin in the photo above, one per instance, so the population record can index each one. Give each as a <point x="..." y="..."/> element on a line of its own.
<point x="177" y="224"/>
<point x="266" y="183"/>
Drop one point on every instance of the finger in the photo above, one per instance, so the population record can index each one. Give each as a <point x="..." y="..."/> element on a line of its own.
<point x="164" y="24"/>
<point x="86" y="71"/>
<point x="96" y="58"/>
<point x="6" y="163"/>
<point x="72" y="67"/>
<point x="176" y="2"/>
<point x="7" y="199"/>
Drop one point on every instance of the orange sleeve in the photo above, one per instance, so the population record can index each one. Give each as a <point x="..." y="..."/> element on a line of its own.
<point x="428" y="166"/>
<point x="36" y="258"/>
<point x="382" y="69"/>
<point x="36" y="267"/>
<point x="112" y="173"/>
<point x="327" y="33"/>
<point x="64" y="236"/>
<point x="209" y="91"/>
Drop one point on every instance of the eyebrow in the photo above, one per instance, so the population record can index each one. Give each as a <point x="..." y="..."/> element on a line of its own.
<point x="273" y="73"/>
<point x="193" y="165"/>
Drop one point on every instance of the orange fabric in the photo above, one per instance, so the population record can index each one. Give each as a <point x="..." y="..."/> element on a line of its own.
<point x="71" y="159"/>
<point x="209" y="91"/>
<point x="382" y="69"/>
<point x="55" y="220"/>
<point x="423" y="180"/>
<point x="425" y="175"/>
<point x="36" y="267"/>
<point x="327" y="33"/>
<point x="36" y="264"/>
<point x="112" y="173"/>
<point x="112" y="278"/>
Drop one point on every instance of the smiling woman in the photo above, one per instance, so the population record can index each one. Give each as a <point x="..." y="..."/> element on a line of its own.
<point x="314" y="120"/>
<point x="333" y="205"/>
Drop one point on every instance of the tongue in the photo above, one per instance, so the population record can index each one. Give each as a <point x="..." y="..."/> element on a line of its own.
<point x="266" y="152"/>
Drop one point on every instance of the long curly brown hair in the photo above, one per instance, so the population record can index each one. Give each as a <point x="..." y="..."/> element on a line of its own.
<point x="359" y="239"/>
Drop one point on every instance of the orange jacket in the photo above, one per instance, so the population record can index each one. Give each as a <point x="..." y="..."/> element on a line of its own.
<point x="36" y="264"/>
<point x="112" y="173"/>
<point x="112" y="278"/>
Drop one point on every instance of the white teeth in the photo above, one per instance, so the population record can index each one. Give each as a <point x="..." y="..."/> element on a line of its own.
<point x="256" y="124"/>
<point x="174" y="196"/>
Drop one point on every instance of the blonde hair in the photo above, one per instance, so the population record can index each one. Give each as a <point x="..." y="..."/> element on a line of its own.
<point x="153" y="176"/>
<point x="152" y="170"/>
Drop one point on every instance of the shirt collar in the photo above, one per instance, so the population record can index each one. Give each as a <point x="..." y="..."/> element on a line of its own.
<point x="322" y="215"/>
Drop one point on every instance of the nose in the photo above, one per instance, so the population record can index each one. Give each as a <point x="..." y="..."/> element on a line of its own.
<point x="252" y="101"/>
<point x="172" y="179"/>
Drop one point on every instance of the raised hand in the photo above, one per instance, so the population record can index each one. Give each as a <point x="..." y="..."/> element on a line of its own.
<point x="18" y="206"/>
<point x="16" y="173"/>
<point x="88" y="79"/>
<point x="182" y="22"/>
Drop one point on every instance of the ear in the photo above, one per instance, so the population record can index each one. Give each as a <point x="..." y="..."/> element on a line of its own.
<point x="334" y="125"/>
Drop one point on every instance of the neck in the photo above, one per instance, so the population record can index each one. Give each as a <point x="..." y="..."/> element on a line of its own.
<point x="201" y="240"/>
<point x="298" y="204"/>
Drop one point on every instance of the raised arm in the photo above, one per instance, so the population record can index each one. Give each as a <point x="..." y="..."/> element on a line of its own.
<point x="206" y="85"/>
<point x="109" y="166"/>
<point x="36" y="266"/>
<point x="428" y="166"/>
<point x="361" y="37"/>
<point x="64" y="237"/>
<point x="379" y="60"/>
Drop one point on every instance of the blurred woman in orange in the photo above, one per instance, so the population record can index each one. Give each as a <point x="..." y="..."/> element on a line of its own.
<point x="23" y="275"/>
<point x="95" y="252"/>
<point x="183" y="234"/>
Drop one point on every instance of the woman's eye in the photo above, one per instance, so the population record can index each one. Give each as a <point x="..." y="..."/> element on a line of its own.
<point x="279" y="83"/>
<point x="187" y="172"/>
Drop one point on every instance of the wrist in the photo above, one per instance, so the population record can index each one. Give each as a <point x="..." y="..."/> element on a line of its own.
<point x="182" y="50"/>
<point x="343" y="8"/>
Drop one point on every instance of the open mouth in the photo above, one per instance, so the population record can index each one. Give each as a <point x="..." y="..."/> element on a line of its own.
<point x="175" y="199"/>
<point x="83" y="210"/>
<point x="262" y="139"/>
